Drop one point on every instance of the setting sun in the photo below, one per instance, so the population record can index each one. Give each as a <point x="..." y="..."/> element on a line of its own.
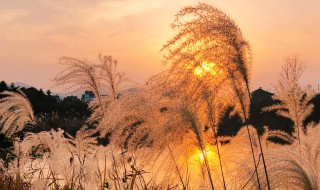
<point x="209" y="153"/>
<point x="201" y="157"/>
<point x="198" y="71"/>
<point x="206" y="67"/>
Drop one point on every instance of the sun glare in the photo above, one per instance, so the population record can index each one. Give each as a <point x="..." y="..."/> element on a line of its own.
<point x="198" y="71"/>
<point x="209" y="153"/>
<point x="201" y="157"/>
<point x="206" y="67"/>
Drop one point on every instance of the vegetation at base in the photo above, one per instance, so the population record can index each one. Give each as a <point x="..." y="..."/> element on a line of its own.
<point x="71" y="113"/>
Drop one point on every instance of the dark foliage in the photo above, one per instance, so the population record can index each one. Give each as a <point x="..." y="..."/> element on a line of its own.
<point x="9" y="183"/>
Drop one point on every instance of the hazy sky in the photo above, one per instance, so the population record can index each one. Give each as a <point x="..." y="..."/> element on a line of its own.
<point x="34" y="34"/>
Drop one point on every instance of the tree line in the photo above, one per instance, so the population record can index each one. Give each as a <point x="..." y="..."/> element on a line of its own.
<point x="71" y="113"/>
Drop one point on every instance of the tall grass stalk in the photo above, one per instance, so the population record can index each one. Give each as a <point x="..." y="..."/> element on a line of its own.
<point x="240" y="96"/>
<point x="177" y="169"/>
<point x="215" y="113"/>
<point x="192" y="120"/>
<point x="219" y="156"/>
<point x="261" y="150"/>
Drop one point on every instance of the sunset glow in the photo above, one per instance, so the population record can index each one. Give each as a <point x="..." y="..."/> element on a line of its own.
<point x="201" y="157"/>
<point x="198" y="71"/>
<point x="149" y="94"/>
<point x="133" y="32"/>
<point x="210" y="153"/>
<point x="206" y="68"/>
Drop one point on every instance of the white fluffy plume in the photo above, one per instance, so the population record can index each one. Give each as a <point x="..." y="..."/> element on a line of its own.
<point x="15" y="112"/>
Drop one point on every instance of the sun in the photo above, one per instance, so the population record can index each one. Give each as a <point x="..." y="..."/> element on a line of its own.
<point x="209" y="154"/>
<point x="201" y="157"/>
<point x="198" y="71"/>
<point x="205" y="68"/>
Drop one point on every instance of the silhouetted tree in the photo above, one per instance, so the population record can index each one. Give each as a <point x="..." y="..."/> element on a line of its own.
<point x="48" y="92"/>
<point x="3" y="86"/>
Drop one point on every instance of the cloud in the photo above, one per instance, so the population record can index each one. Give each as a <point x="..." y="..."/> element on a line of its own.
<point x="119" y="9"/>
<point x="50" y="19"/>
<point x="51" y="11"/>
<point x="8" y="16"/>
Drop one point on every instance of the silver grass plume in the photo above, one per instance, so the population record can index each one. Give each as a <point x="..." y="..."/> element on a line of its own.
<point x="68" y="159"/>
<point x="296" y="166"/>
<point x="102" y="79"/>
<point x="211" y="45"/>
<point x="84" y="142"/>
<point x="81" y="146"/>
<point x="194" y="124"/>
<point x="113" y="82"/>
<point x="52" y="140"/>
<point x="15" y="112"/>
<point x="213" y="40"/>
<point x="280" y="134"/>
<point x="79" y="75"/>
<point x="294" y="100"/>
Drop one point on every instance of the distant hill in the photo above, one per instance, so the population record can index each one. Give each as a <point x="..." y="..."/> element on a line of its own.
<point x="20" y="84"/>
<point x="60" y="94"/>
<point x="65" y="94"/>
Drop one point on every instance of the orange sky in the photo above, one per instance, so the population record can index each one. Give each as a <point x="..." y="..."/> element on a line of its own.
<point x="34" y="34"/>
